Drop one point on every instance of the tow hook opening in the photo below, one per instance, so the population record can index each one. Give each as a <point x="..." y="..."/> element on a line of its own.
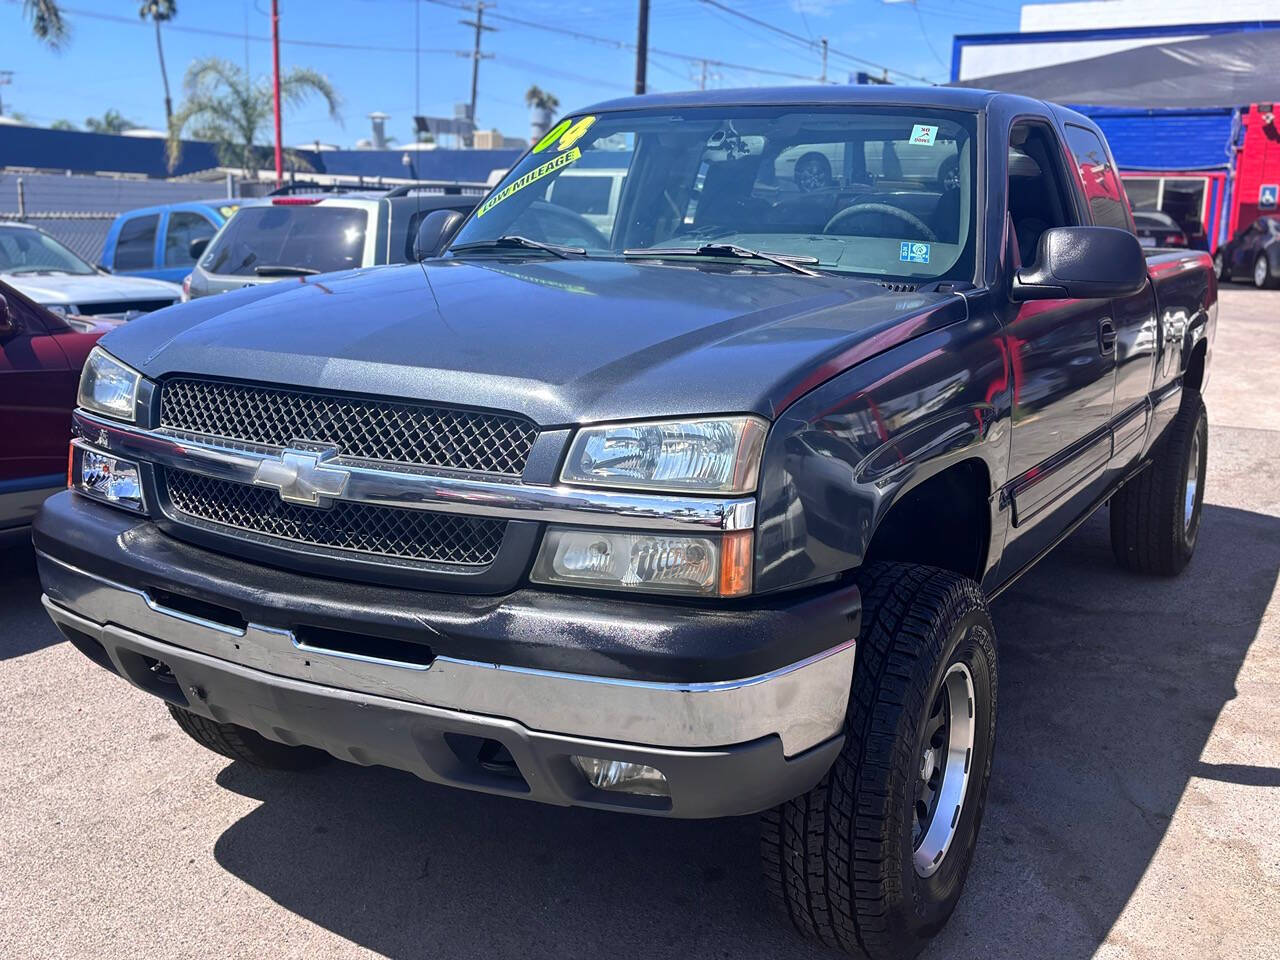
<point x="489" y="758"/>
<point x="152" y="675"/>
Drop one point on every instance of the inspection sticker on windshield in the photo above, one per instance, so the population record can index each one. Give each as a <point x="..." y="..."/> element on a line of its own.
<point x="914" y="252"/>
<point x="533" y="176"/>
<point x="924" y="134"/>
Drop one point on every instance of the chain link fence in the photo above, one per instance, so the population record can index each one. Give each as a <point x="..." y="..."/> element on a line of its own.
<point x="78" y="210"/>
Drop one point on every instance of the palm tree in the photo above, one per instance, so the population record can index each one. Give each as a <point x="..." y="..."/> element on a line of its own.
<point x="46" y="22"/>
<point x="535" y="98"/>
<point x="159" y="11"/>
<point x="113" y="121"/>
<point x="63" y="125"/>
<point x="226" y="106"/>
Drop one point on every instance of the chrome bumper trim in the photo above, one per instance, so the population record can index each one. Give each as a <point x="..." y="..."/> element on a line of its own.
<point x="420" y="490"/>
<point x="803" y="703"/>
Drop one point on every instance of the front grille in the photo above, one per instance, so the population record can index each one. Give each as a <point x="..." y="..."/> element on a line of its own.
<point x="121" y="307"/>
<point x="416" y="536"/>
<point x="387" y="430"/>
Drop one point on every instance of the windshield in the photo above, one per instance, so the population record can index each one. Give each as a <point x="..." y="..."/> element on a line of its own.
<point x="305" y="236"/>
<point x="29" y="251"/>
<point x="881" y="191"/>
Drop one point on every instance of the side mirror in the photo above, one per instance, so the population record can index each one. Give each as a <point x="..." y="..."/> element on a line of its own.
<point x="197" y="247"/>
<point x="434" y="233"/>
<point x="8" y="324"/>
<point x="1082" y="263"/>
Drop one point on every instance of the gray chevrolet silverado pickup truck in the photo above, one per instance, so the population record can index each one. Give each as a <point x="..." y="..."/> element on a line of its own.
<point x="676" y="487"/>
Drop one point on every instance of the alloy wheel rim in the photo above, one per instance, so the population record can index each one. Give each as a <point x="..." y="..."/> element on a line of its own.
<point x="1260" y="271"/>
<point x="1217" y="264"/>
<point x="945" y="759"/>
<point x="1193" y="484"/>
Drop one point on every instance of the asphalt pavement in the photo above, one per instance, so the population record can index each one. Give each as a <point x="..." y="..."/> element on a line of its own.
<point x="1134" y="808"/>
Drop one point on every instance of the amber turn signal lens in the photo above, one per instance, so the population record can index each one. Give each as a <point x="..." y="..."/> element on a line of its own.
<point x="735" y="563"/>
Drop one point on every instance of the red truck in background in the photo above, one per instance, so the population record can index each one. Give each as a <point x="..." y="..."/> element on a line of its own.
<point x="41" y="354"/>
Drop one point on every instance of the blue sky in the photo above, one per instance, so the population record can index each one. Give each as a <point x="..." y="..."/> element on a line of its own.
<point x="110" y="61"/>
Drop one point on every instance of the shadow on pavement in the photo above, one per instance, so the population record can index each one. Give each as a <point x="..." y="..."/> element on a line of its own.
<point x="1110" y="685"/>
<point x="27" y="627"/>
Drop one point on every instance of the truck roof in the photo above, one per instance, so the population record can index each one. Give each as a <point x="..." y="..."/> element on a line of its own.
<point x="954" y="98"/>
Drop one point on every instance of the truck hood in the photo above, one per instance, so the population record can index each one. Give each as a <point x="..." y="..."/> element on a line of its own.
<point x="564" y="341"/>
<point x="62" y="288"/>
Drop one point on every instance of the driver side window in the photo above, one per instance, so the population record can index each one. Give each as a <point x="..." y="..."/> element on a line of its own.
<point x="1038" y="198"/>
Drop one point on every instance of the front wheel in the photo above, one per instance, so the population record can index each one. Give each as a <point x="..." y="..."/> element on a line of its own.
<point x="1263" y="278"/>
<point x="1220" y="266"/>
<point x="873" y="859"/>
<point x="241" y="743"/>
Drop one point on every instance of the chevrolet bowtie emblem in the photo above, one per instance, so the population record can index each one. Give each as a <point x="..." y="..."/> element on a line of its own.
<point x="301" y="476"/>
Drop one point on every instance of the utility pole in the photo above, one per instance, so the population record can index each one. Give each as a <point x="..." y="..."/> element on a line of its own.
<point x="823" y="78"/>
<point x="6" y="78"/>
<point x="275" y="87"/>
<point x="702" y="80"/>
<point x="476" y="57"/>
<point x="642" y="46"/>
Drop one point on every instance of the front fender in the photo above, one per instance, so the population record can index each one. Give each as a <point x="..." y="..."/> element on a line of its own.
<point x="839" y="457"/>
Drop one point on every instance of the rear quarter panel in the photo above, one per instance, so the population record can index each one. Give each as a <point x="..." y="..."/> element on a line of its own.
<point x="1186" y="293"/>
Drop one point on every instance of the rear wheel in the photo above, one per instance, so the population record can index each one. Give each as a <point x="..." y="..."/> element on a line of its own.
<point x="241" y="743"/>
<point x="1155" y="517"/>
<point x="873" y="859"/>
<point x="1263" y="278"/>
<point x="1220" y="266"/>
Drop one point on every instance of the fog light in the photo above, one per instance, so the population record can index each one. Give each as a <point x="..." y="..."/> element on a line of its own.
<point x="106" y="478"/>
<point x="619" y="776"/>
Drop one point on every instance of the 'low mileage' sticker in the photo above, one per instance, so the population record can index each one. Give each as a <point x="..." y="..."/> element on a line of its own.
<point x="533" y="176"/>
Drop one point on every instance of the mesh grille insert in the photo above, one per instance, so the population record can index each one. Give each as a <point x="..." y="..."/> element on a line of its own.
<point x="412" y="535"/>
<point x="387" y="430"/>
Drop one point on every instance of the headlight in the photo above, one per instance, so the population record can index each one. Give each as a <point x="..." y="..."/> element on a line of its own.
<point x="104" y="477"/>
<point x="712" y="455"/>
<point x="108" y="386"/>
<point x="710" y="566"/>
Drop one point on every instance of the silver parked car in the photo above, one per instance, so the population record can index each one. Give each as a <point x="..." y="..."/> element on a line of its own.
<point x="296" y="235"/>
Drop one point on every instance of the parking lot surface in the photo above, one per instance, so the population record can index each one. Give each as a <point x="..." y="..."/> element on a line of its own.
<point x="1134" y="808"/>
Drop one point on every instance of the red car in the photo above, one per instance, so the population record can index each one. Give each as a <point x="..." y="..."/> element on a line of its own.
<point x="41" y="354"/>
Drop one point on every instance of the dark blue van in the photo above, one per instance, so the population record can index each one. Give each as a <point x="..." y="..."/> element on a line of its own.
<point x="156" y="241"/>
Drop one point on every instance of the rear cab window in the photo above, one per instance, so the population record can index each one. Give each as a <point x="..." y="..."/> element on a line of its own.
<point x="136" y="244"/>
<point x="308" y="236"/>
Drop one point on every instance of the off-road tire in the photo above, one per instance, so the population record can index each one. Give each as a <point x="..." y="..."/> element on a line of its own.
<point x="838" y="861"/>
<point x="241" y="743"/>
<point x="1151" y="531"/>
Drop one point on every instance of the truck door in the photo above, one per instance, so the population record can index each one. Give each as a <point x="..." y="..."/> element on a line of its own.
<point x="1062" y="363"/>
<point x="1133" y="334"/>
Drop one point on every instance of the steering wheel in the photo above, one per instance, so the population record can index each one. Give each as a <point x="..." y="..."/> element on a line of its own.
<point x="565" y="226"/>
<point x="882" y="209"/>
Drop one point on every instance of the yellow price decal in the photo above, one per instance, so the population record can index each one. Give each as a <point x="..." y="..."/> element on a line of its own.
<point x="553" y="135"/>
<point x="574" y="133"/>
<point x="533" y="176"/>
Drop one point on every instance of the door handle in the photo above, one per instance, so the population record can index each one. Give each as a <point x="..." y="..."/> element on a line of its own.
<point x="1106" y="336"/>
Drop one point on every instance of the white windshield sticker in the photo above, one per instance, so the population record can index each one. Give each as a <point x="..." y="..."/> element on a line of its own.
<point x="924" y="134"/>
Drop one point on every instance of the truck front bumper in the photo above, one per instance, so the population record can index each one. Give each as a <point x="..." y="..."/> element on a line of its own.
<point x="196" y="629"/>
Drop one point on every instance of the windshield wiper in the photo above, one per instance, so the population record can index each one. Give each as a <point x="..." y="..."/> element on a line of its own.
<point x="283" y="270"/>
<point x="515" y="240"/>
<point x="715" y="249"/>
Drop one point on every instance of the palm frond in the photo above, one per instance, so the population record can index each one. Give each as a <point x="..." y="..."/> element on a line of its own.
<point x="47" y="22"/>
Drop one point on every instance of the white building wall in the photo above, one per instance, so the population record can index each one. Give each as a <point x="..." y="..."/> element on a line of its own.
<point x="1109" y="14"/>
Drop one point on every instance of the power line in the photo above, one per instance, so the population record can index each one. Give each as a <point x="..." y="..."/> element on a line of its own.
<point x="809" y="44"/>
<point x="207" y="32"/>
<point x="622" y="44"/>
